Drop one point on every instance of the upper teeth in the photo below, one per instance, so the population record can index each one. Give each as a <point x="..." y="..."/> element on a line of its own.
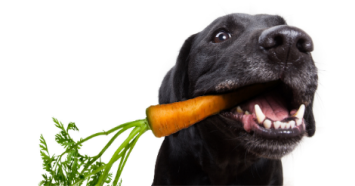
<point x="299" y="114"/>
<point x="259" y="114"/>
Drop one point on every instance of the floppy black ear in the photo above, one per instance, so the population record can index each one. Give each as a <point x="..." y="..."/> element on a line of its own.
<point x="175" y="86"/>
<point x="309" y="118"/>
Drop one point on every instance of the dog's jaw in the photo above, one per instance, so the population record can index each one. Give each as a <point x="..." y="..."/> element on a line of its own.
<point x="271" y="120"/>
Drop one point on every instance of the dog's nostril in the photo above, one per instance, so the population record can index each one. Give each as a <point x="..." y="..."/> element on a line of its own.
<point x="278" y="41"/>
<point x="271" y="42"/>
<point x="300" y="45"/>
<point x="304" y="45"/>
<point x="271" y="38"/>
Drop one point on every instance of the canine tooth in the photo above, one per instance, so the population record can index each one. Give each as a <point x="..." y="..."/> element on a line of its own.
<point x="283" y="125"/>
<point x="292" y="123"/>
<point x="247" y="113"/>
<point x="299" y="121"/>
<point x="259" y="114"/>
<point x="299" y="114"/>
<point x="239" y="110"/>
<point x="267" y="124"/>
<point x="277" y="124"/>
<point x="287" y="126"/>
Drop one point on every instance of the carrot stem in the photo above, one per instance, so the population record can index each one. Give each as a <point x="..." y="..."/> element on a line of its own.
<point x="124" y="158"/>
<point x="123" y="128"/>
<point x="139" y="127"/>
<point x="138" y="130"/>
<point x="127" y="125"/>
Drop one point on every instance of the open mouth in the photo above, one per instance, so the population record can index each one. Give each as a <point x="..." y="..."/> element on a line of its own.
<point x="270" y="114"/>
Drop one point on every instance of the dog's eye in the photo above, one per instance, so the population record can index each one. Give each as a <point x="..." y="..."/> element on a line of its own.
<point x="221" y="36"/>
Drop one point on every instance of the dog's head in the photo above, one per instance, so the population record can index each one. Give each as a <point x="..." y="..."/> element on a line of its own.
<point x="238" y="50"/>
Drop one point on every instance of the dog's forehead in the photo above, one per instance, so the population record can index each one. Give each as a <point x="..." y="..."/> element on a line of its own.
<point x="242" y="22"/>
<point x="247" y="20"/>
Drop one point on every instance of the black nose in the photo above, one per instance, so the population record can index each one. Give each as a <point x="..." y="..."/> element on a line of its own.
<point x="285" y="42"/>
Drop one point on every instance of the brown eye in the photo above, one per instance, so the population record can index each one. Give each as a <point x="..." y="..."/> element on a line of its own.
<point x="221" y="36"/>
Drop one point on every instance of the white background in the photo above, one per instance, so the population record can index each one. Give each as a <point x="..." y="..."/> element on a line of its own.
<point x="100" y="64"/>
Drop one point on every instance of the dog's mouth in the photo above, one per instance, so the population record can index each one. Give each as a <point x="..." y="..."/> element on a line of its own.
<point x="271" y="114"/>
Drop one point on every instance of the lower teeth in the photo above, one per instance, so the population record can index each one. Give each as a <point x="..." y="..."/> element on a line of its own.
<point x="278" y="124"/>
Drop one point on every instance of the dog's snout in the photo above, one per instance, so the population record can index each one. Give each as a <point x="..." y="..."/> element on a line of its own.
<point x="285" y="41"/>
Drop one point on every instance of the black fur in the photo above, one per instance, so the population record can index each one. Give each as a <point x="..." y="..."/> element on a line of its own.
<point x="217" y="151"/>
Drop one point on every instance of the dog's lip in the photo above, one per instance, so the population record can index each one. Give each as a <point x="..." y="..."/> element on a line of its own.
<point x="278" y="133"/>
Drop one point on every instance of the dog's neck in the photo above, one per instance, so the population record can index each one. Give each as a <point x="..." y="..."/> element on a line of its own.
<point x="224" y="159"/>
<point x="215" y="153"/>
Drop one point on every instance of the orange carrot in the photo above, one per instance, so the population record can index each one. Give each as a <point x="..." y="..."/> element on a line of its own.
<point x="166" y="119"/>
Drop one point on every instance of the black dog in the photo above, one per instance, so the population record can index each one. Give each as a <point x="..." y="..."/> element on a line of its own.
<point x="241" y="146"/>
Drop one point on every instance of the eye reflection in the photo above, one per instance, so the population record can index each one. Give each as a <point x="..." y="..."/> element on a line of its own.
<point x="221" y="36"/>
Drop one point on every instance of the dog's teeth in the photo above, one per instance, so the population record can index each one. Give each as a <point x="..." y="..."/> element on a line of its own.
<point x="283" y="125"/>
<point x="292" y="123"/>
<point x="259" y="114"/>
<point x="277" y="124"/>
<point x="299" y="114"/>
<point x="247" y="113"/>
<point x="267" y="124"/>
<point x="239" y="110"/>
<point x="287" y="126"/>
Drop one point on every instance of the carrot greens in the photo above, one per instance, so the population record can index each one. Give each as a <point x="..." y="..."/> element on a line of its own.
<point x="73" y="168"/>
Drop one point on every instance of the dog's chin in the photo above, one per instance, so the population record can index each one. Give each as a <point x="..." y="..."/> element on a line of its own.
<point x="271" y="148"/>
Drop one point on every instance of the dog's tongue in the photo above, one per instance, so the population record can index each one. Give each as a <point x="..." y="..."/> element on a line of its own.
<point x="272" y="105"/>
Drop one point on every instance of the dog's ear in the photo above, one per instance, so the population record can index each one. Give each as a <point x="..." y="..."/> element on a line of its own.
<point x="309" y="119"/>
<point x="175" y="86"/>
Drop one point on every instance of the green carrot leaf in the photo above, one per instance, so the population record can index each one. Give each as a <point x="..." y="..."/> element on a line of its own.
<point x="70" y="168"/>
